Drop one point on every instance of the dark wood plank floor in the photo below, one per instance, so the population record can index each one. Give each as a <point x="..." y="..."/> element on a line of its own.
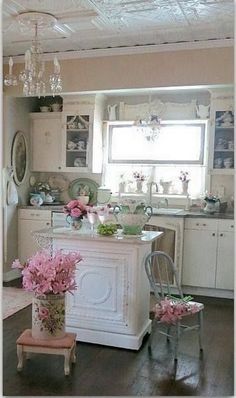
<point x="108" y="371"/>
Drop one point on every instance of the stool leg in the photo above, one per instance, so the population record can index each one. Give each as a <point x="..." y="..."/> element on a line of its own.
<point x="73" y="356"/>
<point x="20" y="357"/>
<point x="67" y="362"/>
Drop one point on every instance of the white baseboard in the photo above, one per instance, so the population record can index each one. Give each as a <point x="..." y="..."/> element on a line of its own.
<point x="201" y="291"/>
<point x="11" y="275"/>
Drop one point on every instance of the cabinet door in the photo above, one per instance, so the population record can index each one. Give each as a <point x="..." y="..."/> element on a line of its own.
<point x="26" y="243"/>
<point x="46" y="144"/>
<point x="225" y="261"/>
<point x="77" y="142"/>
<point x="222" y="140"/>
<point x="199" y="258"/>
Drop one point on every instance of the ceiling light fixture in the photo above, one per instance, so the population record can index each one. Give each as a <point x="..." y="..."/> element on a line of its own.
<point x="150" y="126"/>
<point x="33" y="75"/>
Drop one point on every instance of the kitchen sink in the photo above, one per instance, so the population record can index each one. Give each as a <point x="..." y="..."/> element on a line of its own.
<point x="165" y="210"/>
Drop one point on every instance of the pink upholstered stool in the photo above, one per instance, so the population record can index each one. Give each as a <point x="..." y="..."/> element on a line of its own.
<point x="65" y="346"/>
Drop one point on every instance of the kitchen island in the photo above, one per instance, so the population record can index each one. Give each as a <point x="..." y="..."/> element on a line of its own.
<point x="111" y="303"/>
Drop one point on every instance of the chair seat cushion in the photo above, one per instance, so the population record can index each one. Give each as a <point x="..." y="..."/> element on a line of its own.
<point x="171" y="311"/>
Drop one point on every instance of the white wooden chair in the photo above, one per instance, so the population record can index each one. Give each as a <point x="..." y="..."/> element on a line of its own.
<point x="162" y="275"/>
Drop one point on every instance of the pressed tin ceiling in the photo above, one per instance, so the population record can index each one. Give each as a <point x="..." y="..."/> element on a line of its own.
<point x="102" y="24"/>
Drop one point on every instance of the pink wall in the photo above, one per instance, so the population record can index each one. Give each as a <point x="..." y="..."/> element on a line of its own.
<point x="170" y="68"/>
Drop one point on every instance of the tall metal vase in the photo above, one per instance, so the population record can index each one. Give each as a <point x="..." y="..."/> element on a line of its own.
<point x="48" y="316"/>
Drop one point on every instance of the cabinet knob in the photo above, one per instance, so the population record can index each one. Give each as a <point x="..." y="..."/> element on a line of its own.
<point x="59" y="167"/>
<point x="48" y="223"/>
<point x="213" y="234"/>
<point x="204" y="225"/>
<point x="197" y="223"/>
<point x="231" y="226"/>
<point x="221" y="234"/>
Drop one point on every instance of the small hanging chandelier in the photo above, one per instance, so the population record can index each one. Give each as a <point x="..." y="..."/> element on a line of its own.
<point x="150" y="126"/>
<point x="33" y="75"/>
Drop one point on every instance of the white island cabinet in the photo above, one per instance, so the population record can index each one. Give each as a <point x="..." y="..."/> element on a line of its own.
<point x="111" y="303"/>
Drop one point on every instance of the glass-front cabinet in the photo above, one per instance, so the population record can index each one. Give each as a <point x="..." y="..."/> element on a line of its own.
<point x="222" y="137"/>
<point x="77" y="140"/>
<point x="224" y="140"/>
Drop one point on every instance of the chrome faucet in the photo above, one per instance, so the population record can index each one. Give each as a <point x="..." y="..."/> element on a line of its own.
<point x="150" y="191"/>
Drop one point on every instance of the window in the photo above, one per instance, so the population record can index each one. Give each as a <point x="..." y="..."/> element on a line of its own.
<point x="176" y="143"/>
<point x="180" y="145"/>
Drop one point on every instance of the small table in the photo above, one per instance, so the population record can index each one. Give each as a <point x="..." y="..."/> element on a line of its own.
<point x="64" y="346"/>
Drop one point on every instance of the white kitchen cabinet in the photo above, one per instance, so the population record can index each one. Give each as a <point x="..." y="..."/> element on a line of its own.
<point x="208" y="253"/>
<point x="82" y="133"/>
<point x="46" y="130"/>
<point x="225" y="255"/>
<point x="29" y="221"/>
<point x="221" y="159"/>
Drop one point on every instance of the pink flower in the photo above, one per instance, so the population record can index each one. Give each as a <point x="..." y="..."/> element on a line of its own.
<point x="170" y="311"/>
<point x="75" y="208"/>
<point x="76" y="212"/>
<point x="17" y="264"/>
<point x="43" y="313"/>
<point x="45" y="273"/>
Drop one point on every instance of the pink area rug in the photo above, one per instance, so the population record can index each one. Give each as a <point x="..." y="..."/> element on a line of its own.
<point x="13" y="300"/>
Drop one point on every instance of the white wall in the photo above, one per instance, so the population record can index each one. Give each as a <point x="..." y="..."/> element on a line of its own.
<point x="15" y="117"/>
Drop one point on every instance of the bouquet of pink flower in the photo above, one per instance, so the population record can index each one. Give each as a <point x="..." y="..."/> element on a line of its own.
<point x="44" y="273"/>
<point x="172" y="309"/>
<point x="75" y="208"/>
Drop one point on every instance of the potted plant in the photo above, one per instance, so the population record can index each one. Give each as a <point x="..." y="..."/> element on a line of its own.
<point x="49" y="277"/>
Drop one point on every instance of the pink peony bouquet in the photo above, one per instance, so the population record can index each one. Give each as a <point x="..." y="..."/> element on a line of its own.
<point x="170" y="310"/>
<point x="75" y="208"/>
<point x="44" y="273"/>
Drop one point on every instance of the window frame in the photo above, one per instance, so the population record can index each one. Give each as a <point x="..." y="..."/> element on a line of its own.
<point x="200" y="161"/>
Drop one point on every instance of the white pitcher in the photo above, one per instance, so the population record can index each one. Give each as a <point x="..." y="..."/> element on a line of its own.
<point x="112" y="111"/>
<point x="203" y="111"/>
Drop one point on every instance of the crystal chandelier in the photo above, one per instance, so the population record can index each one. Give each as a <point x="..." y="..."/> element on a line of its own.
<point x="149" y="127"/>
<point x="33" y="76"/>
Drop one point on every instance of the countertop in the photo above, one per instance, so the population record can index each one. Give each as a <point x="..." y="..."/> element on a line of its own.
<point x="67" y="233"/>
<point x="182" y="213"/>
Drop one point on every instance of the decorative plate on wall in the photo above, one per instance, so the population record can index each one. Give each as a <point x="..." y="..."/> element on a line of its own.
<point x="84" y="186"/>
<point x="19" y="157"/>
<point x="58" y="181"/>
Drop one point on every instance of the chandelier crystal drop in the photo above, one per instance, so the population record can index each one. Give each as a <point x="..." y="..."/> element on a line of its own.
<point x="33" y="75"/>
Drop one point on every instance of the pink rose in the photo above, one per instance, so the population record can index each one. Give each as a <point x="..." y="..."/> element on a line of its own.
<point x="43" y="313"/>
<point x="76" y="212"/>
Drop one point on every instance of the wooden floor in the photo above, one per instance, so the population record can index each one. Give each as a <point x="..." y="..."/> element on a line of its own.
<point x="108" y="371"/>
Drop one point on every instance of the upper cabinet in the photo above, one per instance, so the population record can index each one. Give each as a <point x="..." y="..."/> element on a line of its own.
<point x="46" y="141"/>
<point x="77" y="137"/>
<point x="82" y="133"/>
<point x="222" y="134"/>
<point x="70" y="140"/>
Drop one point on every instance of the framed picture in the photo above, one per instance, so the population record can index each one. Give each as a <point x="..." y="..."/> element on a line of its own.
<point x="19" y="157"/>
